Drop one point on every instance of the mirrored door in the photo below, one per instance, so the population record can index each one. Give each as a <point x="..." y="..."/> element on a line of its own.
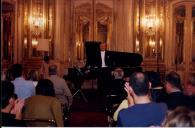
<point x="92" y="21"/>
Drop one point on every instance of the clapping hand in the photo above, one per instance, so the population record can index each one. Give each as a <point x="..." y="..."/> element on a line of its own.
<point x="128" y="89"/>
<point x="17" y="110"/>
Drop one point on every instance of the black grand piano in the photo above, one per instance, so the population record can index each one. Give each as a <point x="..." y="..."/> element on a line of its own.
<point x="130" y="62"/>
<point x="110" y="87"/>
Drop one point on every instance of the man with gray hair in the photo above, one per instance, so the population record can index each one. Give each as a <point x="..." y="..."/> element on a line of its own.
<point x="61" y="89"/>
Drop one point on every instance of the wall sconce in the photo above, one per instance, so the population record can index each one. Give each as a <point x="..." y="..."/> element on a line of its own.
<point x="137" y="45"/>
<point x="78" y="48"/>
<point x="152" y="45"/>
<point x="34" y="43"/>
<point x="25" y="42"/>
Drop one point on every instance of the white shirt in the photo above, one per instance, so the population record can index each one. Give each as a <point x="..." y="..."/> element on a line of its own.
<point x="103" y="58"/>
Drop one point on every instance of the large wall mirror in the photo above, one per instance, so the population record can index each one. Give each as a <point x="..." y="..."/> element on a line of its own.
<point x="92" y="21"/>
<point x="149" y="28"/>
<point x="179" y="22"/>
<point x="184" y="33"/>
<point x="38" y="34"/>
<point x="7" y="32"/>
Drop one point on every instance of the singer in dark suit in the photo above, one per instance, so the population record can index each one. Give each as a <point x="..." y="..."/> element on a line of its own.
<point x="104" y="78"/>
<point x="96" y="54"/>
<point x="98" y="63"/>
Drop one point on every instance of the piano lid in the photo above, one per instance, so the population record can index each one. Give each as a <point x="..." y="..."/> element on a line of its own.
<point x="124" y="59"/>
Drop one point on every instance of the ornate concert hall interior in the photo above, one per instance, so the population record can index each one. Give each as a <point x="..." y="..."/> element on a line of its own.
<point x="152" y="36"/>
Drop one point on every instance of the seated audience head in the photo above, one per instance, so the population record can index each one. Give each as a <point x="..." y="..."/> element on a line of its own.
<point x="190" y="87"/>
<point x="7" y="96"/>
<point x="52" y="70"/>
<point x="118" y="73"/>
<point x="154" y="78"/>
<point x="140" y="84"/>
<point x="17" y="70"/>
<point x="3" y="74"/>
<point x="180" y="117"/>
<point x="173" y="82"/>
<point x="8" y="75"/>
<point x="103" y="46"/>
<point x="45" y="87"/>
<point x="46" y="59"/>
<point x="33" y="75"/>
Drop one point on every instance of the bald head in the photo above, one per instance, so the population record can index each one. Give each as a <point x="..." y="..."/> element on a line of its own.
<point x="139" y="83"/>
<point x="52" y="69"/>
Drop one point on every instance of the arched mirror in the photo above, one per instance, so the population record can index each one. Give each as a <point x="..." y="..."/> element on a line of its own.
<point x="38" y="27"/>
<point x="92" y="21"/>
<point x="149" y="28"/>
<point x="7" y="32"/>
<point x="179" y="23"/>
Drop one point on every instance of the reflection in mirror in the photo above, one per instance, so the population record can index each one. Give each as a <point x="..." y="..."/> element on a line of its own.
<point x="104" y="21"/>
<point x="102" y="32"/>
<point x="92" y="22"/>
<point x="149" y="18"/>
<point x="137" y="36"/>
<point x="7" y="34"/>
<point x="38" y="24"/>
<point x="179" y="32"/>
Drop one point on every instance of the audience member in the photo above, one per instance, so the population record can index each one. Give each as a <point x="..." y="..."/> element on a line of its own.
<point x="173" y="88"/>
<point x="44" y="71"/>
<point x="180" y="117"/>
<point x="11" y="108"/>
<point x="3" y="74"/>
<point x="44" y="105"/>
<point x="190" y="91"/>
<point x="23" y="88"/>
<point x="61" y="88"/>
<point x="33" y="76"/>
<point x="117" y="84"/>
<point x="158" y="93"/>
<point x="124" y="104"/>
<point x="8" y="75"/>
<point x="139" y="104"/>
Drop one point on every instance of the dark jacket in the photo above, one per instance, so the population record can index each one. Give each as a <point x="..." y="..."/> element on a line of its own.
<point x="175" y="99"/>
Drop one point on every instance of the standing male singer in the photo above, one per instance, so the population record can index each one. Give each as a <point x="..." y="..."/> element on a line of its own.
<point x="98" y="64"/>
<point x="104" y="70"/>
